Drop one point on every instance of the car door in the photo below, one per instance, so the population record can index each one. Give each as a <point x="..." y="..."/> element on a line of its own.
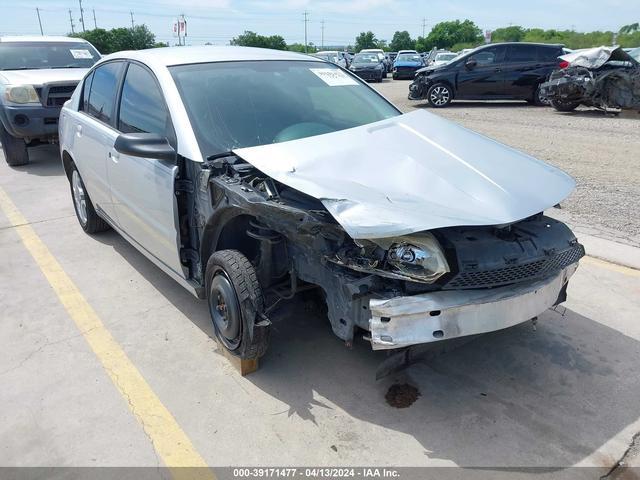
<point x="485" y="79"/>
<point x="143" y="188"/>
<point x="521" y="67"/>
<point x="95" y="135"/>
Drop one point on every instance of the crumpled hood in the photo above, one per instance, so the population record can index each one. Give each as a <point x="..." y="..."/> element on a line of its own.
<point x="411" y="173"/>
<point x="596" y="57"/>
<point x="42" y="76"/>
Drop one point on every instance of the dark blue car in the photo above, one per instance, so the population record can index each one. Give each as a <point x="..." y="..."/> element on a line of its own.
<point x="406" y="64"/>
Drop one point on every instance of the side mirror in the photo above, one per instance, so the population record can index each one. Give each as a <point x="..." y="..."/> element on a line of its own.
<point x="471" y="63"/>
<point x="145" y="145"/>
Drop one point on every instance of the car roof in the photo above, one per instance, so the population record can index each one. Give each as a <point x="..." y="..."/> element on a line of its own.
<point x="169" y="56"/>
<point x="39" y="38"/>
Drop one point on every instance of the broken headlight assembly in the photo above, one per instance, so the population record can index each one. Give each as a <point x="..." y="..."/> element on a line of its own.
<point x="417" y="258"/>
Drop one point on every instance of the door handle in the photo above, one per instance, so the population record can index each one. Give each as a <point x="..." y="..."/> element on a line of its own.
<point x="114" y="156"/>
<point x="79" y="130"/>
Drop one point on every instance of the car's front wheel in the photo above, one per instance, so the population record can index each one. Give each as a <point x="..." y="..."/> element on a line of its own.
<point x="562" y="106"/>
<point x="15" y="149"/>
<point x="439" y="95"/>
<point x="89" y="220"/>
<point x="236" y="304"/>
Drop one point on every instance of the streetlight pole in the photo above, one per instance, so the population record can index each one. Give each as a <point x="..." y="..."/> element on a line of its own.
<point x="39" y="21"/>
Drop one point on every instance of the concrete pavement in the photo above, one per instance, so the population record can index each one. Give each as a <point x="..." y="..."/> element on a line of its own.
<point x="565" y="394"/>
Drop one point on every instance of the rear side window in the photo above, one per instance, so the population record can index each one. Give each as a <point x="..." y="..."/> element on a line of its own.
<point x="549" y="54"/>
<point x="142" y="107"/>
<point x="102" y="95"/>
<point x="85" y="92"/>
<point x="522" y="53"/>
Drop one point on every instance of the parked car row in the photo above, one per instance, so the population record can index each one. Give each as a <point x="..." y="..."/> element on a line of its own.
<point x="173" y="148"/>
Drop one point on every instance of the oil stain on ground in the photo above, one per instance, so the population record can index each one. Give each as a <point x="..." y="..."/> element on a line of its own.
<point x="402" y="395"/>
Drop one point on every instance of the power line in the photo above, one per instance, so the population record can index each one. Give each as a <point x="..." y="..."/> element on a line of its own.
<point x="39" y="21"/>
<point x="306" y="20"/>
<point x="81" y="15"/>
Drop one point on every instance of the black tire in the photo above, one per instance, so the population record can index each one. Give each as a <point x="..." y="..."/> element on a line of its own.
<point x="439" y="95"/>
<point x="15" y="149"/>
<point x="561" y="106"/>
<point x="236" y="304"/>
<point x="87" y="217"/>
<point x="537" y="99"/>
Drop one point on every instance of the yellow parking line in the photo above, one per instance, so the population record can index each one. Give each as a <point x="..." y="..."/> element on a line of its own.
<point x="632" y="272"/>
<point x="169" y="440"/>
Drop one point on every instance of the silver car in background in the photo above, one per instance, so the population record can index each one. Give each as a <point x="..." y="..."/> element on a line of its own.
<point x="250" y="175"/>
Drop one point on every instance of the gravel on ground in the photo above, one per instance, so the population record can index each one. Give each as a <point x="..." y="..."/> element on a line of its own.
<point x="601" y="151"/>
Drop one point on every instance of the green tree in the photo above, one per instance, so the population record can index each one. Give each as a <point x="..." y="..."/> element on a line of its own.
<point x="299" y="47"/>
<point x="366" y="40"/>
<point x="118" y="39"/>
<point x="631" y="28"/>
<point x="447" y="34"/>
<point x="508" y="34"/>
<point x="252" y="39"/>
<point x="402" y="41"/>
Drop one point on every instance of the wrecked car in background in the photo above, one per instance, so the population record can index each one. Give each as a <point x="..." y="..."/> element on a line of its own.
<point x="250" y="175"/>
<point x="604" y="77"/>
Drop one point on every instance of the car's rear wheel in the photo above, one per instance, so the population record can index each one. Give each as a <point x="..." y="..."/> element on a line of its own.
<point x="15" y="149"/>
<point x="538" y="99"/>
<point x="236" y="304"/>
<point x="439" y="95"/>
<point x="89" y="220"/>
<point x="563" y="106"/>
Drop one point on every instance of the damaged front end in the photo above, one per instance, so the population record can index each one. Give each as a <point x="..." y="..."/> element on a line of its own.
<point x="605" y="78"/>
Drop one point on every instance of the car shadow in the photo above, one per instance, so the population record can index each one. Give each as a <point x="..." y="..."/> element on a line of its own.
<point x="479" y="104"/>
<point x="515" y="397"/>
<point x="44" y="161"/>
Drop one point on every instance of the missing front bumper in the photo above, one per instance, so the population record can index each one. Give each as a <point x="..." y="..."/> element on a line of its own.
<point x="443" y="315"/>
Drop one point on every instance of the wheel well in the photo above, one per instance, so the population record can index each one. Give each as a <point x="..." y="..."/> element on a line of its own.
<point x="67" y="162"/>
<point x="448" y="84"/>
<point x="233" y="236"/>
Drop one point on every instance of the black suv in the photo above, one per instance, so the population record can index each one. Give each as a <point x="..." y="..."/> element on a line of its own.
<point x="511" y="71"/>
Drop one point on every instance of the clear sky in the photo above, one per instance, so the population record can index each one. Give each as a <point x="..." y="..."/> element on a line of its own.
<point x="217" y="21"/>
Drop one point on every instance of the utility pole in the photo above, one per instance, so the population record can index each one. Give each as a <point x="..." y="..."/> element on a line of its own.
<point x="132" y="24"/>
<point x="71" y="21"/>
<point x="322" y="28"/>
<point x="39" y="21"/>
<point x="95" y="23"/>
<point x="81" y="15"/>
<point x="424" y="24"/>
<point x="306" y="20"/>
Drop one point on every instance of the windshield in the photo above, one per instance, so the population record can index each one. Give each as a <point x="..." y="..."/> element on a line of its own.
<point x="243" y="104"/>
<point x="445" y="57"/>
<point x="366" y="58"/>
<point x="409" y="58"/>
<point x="37" y="55"/>
<point x="635" y="53"/>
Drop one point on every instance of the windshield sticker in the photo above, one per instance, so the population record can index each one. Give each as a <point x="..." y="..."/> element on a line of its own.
<point x="333" y="77"/>
<point x="81" y="53"/>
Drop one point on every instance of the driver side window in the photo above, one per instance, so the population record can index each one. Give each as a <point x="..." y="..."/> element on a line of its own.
<point x="142" y="107"/>
<point x="488" y="56"/>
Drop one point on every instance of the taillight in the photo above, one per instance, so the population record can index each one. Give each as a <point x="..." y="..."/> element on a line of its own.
<point x="563" y="64"/>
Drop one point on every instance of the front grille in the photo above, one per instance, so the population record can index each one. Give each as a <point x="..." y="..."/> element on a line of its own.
<point x="58" y="94"/>
<point x="517" y="273"/>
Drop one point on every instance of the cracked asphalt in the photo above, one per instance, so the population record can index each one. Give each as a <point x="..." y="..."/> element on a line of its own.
<point x="565" y="394"/>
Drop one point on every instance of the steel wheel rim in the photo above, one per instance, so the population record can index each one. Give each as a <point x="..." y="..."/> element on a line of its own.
<point x="439" y="95"/>
<point x="225" y="311"/>
<point x="79" y="197"/>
